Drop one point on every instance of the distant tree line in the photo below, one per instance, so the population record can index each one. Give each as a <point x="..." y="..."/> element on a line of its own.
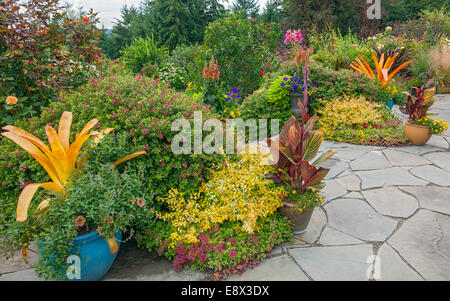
<point x="178" y="22"/>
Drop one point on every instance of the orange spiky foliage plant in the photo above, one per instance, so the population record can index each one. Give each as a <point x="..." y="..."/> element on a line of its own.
<point x="59" y="160"/>
<point x="382" y="68"/>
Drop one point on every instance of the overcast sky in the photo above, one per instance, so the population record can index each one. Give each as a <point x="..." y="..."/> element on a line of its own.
<point x="110" y="9"/>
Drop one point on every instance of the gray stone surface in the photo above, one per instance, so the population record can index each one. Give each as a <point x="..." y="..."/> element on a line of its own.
<point x="432" y="197"/>
<point x="134" y="264"/>
<point x="333" y="190"/>
<point x="432" y="174"/>
<point x="398" y="158"/>
<point x="354" y="195"/>
<point x="358" y="219"/>
<point x="336" y="167"/>
<point x="393" y="268"/>
<point x="418" y="150"/>
<point x="371" y="161"/>
<point x="391" y="201"/>
<point x="332" y="237"/>
<point x="440" y="159"/>
<point x="316" y="224"/>
<point x="438" y="141"/>
<point x="424" y="242"/>
<point x="348" y="154"/>
<point x="24" y="275"/>
<point x="336" y="263"/>
<point x="388" y="177"/>
<point x="350" y="182"/>
<point x="280" y="268"/>
<point x="17" y="263"/>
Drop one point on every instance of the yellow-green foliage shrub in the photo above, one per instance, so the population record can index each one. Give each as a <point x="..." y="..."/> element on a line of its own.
<point x="349" y="111"/>
<point x="238" y="192"/>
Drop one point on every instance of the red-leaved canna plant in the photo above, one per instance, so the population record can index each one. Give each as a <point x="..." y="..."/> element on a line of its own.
<point x="298" y="143"/>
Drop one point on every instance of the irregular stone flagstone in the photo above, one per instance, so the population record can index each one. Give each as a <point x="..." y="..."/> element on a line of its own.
<point x="390" y="177"/>
<point x="348" y="154"/>
<point x="350" y="182"/>
<point x="358" y="219"/>
<point x="25" y="275"/>
<point x="316" y="224"/>
<point x="438" y="141"/>
<point x="17" y="263"/>
<point x="398" y="158"/>
<point x="424" y="242"/>
<point x="432" y="197"/>
<point x="418" y="150"/>
<point x="336" y="263"/>
<point x="441" y="159"/>
<point x="354" y="195"/>
<point x="432" y="174"/>
<point x="370" y="161"/>
<point x="359" y="147"/>
<point x="134" y="264"/>
<point x="332" y="237"/>
<point x="393" y="268"/>
<point x="336" y="167"/>
<point x="280" y="268"/>
<point x="391" y="201"/>
<point x="333" y="190"/>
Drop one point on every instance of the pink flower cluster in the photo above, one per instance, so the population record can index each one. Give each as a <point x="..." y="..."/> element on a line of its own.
<point x="293" y="36"/>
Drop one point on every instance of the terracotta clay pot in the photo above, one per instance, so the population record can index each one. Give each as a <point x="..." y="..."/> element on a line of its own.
<point x="417" y="134"/>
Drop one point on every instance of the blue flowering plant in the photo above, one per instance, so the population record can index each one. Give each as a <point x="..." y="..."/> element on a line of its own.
<point x="231" y="100"/>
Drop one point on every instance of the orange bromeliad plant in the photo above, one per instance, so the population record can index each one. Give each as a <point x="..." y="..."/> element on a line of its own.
<point x="382" y="68"/>
<point x="59" y="160"/>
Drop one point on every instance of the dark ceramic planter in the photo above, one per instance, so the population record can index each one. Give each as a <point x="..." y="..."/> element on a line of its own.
<point x="299" y="219"/>
<point x="295" y="96"/>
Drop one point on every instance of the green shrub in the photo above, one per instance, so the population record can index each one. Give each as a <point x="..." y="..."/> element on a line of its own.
<point x="136" y="106"/>
<point x="143" y="51"/>
<point x="173" y="74"/>
<point x="241" y="47"/>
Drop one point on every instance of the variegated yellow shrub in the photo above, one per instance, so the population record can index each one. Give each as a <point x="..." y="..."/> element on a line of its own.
<point x="348" y="111"/>
<point x="237" y="192"/>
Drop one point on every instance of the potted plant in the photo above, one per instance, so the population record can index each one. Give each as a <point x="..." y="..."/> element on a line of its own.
<point x="64" y="163"/>
<point x="298" y="144"/>
<point x="420" y="126"/>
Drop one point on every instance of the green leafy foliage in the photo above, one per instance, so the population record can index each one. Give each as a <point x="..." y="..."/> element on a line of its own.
<point x="143" y="51"/>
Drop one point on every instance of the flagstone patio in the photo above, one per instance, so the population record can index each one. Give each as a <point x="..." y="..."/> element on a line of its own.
<point x="387" y="217"/>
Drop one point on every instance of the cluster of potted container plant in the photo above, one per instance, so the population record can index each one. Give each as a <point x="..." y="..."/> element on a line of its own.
<point x="420" y="126"/>
<point x="297" y="145"/>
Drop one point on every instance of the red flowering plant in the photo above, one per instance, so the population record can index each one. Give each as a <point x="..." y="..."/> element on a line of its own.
<point x="298" y="144"/>
<point x="212" y="90"/>
<point x="42" y="50"/>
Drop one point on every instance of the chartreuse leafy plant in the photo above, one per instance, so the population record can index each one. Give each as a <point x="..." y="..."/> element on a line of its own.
<point x="59" y="160"/>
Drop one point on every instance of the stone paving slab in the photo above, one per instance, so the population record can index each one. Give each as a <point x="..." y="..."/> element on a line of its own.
<point x="280" y="268"/>
<point x="332" y="237"/>
<point x="395" y="176"/>
<point x="424" y="242"/>
<point x="391" y="201"/>
<point x="398" y="158"/>
<point x="340" y="263"/>
<point x="356" y="218"/>
<point x="432" y="174"/>
<point x="393" y="268"/>
<point x="432" y="197"/>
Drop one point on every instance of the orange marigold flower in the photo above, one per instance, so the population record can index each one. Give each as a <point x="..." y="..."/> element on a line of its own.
<point x="86" y="19"/>
<point x="141" y="203"/>
<point x="11" y="100"/>
<point x="79" y="221"/>
<point x="42" y="31"/>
